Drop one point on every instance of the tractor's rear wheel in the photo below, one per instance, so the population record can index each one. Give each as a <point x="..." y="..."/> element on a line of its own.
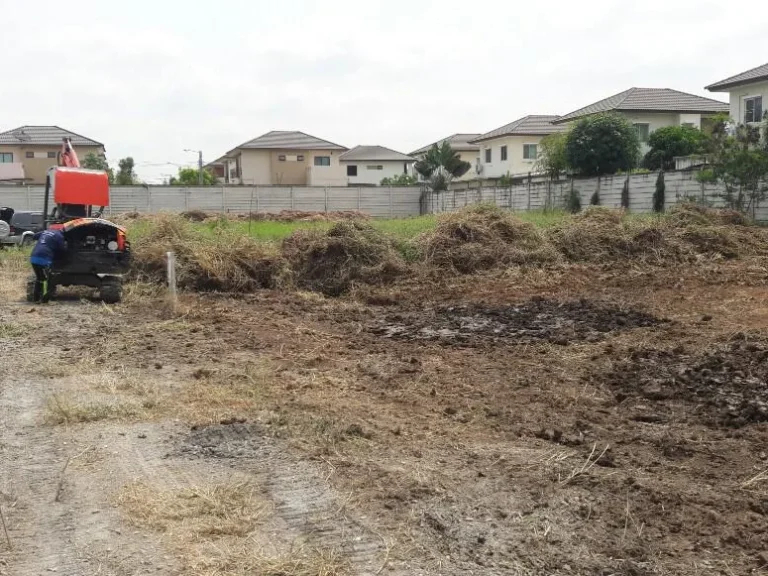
<point x="111" y="291"/>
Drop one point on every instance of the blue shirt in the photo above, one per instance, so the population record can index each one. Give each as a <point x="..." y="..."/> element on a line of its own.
<point x="49" y="244"/>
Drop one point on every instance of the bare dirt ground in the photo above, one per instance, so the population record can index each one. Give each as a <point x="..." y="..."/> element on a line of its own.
<point x="579" y="420"/>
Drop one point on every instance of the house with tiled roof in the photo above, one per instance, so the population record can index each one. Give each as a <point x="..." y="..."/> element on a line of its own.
<point x="652" y="108"/>
<point x="369" y="165"/>
<point x="34" y="149"/>
<point x="513" y="148"/>
<point x="748" y="94"/>
<point x="460" y="143"/>
<point x="285" y="158"/>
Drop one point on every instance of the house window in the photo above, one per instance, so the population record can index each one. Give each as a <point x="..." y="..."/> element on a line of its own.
<point x="6" y="157"/>
<point x="300" y="158"/>
<point x="503" y="153"/>
<point x="530" y="151"/>
<point x="643" y="131"/>
<point x="689" y="124"/>
<point x="753" y="109"/>
<point x="322" y="160"/>
<point x="351" y="170"/>
<point x="51" y="154"/>
<point x="29" y="154"/>
<point x="488" y="155"/>
<point x="379" y="167"/>
<point x="281" y="158"/>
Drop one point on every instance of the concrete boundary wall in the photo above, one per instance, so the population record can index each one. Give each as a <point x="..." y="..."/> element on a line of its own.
<point x="382" y="202"/>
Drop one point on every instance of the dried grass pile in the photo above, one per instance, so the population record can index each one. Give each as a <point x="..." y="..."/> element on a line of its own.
<point x="222" y="261"/>
<point x="350" y="252"/>
<point x="602" y="235"/>
<point x="484" y="237"/>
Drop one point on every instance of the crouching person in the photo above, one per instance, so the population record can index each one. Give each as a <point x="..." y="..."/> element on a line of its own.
<point x="50" y="244"/>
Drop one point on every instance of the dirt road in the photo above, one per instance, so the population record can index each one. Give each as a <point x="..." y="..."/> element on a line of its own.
<point x="575" y="421"/>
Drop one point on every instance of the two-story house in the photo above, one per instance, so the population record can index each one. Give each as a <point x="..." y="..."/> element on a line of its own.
<point x="36" y="149"/>
<point x="652" y="108"/>
<point x="748" y="93"/>
<point x="285" y="158"/>
<point x="513" y="148"/>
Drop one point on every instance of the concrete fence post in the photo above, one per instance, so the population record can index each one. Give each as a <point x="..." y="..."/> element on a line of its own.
<point x="293" y="203"/>
<point x="326" y="198"/>
<point x="223" y="199"/>
<point x="29" y="199"/>
<point x="358" y="199"/>
<point x="149" y="200"/>
<point x="258" y="203"/>
<point x="187" y="192"/>
<point x="391" y="212"/>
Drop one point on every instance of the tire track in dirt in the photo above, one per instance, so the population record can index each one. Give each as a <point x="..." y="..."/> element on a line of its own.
<point x="308" y="508"/>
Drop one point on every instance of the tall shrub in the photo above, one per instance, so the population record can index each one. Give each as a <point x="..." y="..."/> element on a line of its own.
<point x="659" y="193"/>
<point x="602" y="144"/>
<point x="625" y="194"/>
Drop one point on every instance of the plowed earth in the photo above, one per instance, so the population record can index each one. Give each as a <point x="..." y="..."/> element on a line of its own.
<point x="573" y="421"/>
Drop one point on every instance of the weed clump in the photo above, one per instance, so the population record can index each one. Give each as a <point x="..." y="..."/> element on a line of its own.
<point x="484" y="237"/>
<point x="349" y="252"/>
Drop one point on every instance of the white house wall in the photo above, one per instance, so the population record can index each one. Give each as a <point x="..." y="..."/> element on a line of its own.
<point x="515" y="163"/>
<point x="370" y="176"/>
<point x="739" y="93"/>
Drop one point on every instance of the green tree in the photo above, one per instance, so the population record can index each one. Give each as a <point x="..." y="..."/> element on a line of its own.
<point x="659" y="193"/>
<point x="94" y="162"/>
<point x="442" y="157"/>
<point x="671" y="141"/>
<point x="738" y="161"/>
<point x="551" y="158"/>
<point x="125" y="175"/>
<point x="190" y="177"/>
<point x="602" y="144"/>
<point x="400" y="180"/>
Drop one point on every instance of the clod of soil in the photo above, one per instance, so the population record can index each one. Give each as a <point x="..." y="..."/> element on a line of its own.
<point x="724" y="387"/>
<point x="535" y="320"/>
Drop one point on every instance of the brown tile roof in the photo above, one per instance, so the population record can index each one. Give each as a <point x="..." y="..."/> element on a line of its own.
<point x="289" y="140"/>
<point x="533" y="125"/>
<point x="649" y="100"/>
<point x="754" y="75"/>
<point x="459" y="142"/>
<point x="43" y="136"/>
<point x="372" y="153"/>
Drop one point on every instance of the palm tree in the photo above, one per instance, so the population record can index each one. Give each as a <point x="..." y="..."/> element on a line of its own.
<point x="445" y="157"/>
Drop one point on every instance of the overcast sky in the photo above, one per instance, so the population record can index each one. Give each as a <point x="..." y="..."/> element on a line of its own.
<point x="149" y="79"/>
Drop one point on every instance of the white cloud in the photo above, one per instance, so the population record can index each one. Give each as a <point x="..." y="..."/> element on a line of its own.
<point x="152" y="78"/>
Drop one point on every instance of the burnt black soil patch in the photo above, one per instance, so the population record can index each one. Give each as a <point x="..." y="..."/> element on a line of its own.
<point x="538" y="320"/>
<point x="727" y="386"/>
<point x="235" y="440"/>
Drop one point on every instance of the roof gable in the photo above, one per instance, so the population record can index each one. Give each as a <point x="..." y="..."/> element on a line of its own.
<point x="374" y="153"/>
<point x="532" y="125"/>
<point x="649" y="100"/>
<point x="290" y="140"/>
<point x="754" y="75"/>
<point x="43" y="136"/>
<point x="459" y="142"/>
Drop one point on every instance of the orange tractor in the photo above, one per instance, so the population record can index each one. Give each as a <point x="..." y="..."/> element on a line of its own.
<point x="98" y="253"/>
